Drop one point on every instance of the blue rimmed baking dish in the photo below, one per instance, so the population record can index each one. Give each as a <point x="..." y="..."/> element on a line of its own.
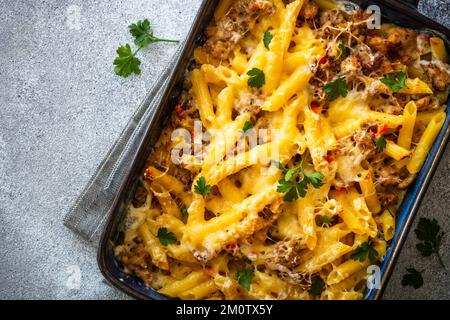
<point x="402" y="13"/>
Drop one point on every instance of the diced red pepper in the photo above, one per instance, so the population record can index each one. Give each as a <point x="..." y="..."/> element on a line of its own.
<point x="330" y="158"/>
<point x="342" y="190"/>
<point x="315" y="107"/>
<point x="382" y="129"/>
<point x="208" y="270"/>
<point x="323" y="60"/>
<point x="180" y="112"/>
<point x="423" y="36"/>
<point x="230" y="247"/>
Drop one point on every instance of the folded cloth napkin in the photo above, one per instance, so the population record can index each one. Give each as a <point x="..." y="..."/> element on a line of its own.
<point x="88" y="215"/>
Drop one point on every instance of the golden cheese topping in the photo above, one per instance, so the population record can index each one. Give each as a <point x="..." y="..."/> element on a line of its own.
<point x="281" y="169"/>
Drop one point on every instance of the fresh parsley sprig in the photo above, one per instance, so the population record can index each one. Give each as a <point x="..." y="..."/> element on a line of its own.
<point x="396" y="83"/>
<point x="343" y="51"/>
<point x="380" y="144"/>
<point x="126" y="62"/>
<point x="247" y="126"/>
<point x="428" y="231"/>
<point x="201" y="187"/>
<point x="326" y="220"/>
<point x="183" y="211"/>
<point x="267" y="39"/>
<point x="143" y="34"/>
<point x="166" y="237"/>
<point x="317" y="286"/>
<point x="335" y="89"/>
<point x="364" y="251"/>
<point x="295" y="183"/>
<point x="256" y="79"/>
<point x="413" y="278"/>
<point x="245" y="277"/>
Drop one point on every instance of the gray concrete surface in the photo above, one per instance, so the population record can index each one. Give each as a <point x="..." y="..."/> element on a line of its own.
<point x="61" y="108"/>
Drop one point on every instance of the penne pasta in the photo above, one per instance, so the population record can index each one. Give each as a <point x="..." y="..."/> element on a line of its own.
<point x="287" y="153"/>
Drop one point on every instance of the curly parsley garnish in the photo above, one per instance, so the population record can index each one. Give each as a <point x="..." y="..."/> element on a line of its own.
<point x="413" y="278"/>
<point x="143" y="34"/>
<point x="201" y="187"/>
<point x="343" y="51"/>
<point x="166" y="237"/>
<point x="126" y="62"/>
<point x="247" y="126"/>
<point x="326" y="220"/>
<point x="256" y="78"/>
<point x="317" y="286"/>
<point x="245" y="277"/>
<point x="267" y="39"/>
<point x="295" y="183"/>
<point x="428" y="231"/>
<point x="183" y="211"/>
<point x="335" y="89"/>
<point x="381" y="144"/>
<point x="396" y="83"/>
<point x="364" y="251"/>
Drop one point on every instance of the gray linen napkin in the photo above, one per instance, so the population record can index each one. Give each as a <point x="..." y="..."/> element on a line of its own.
<point x="88" y="214"/>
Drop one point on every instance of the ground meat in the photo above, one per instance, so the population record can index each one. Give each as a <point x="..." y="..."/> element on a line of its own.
<point x="295" y="278"/>
<point x="368" y="60"/>
<point x="284" y="256"/>
<point x="438" y="74"/>
<point x="241" y="18"/>
<point x="365" y="141"/>
<point x="387" y="199"/>
<point x="350" y="67"/>
<point x="388" y="176"/>
<point x="397" y="43"/>
<point x="309" y="10"/>
<point x="332" y="18"/>
<point x="140" y="196"/>
<point x="137" y="261"/>
<point x="428" y="103"/>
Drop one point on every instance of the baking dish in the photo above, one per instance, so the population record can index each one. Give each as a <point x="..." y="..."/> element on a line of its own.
<point x="401" y="13"/>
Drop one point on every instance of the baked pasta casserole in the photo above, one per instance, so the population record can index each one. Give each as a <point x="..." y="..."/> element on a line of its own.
<point x="280" y="171"/>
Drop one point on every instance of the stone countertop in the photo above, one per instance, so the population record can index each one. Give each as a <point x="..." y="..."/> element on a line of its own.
<point x="62" y="107"/>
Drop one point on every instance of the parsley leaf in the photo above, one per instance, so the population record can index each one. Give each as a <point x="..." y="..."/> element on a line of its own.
<point x="364" y="251"/>
<point x="201" y="187"/>
<point x="126" y="63"/>
<point x="335" y="89"/>
<point x="143" y="34"/>
<point x="247" y="126"/>
<point x="278" y="164"/>
<point x="183" y="211"/>
<point x="267" y="39"/>
<point x="292" y="187"/>
<point x="381" y="144"/>
<point x="343" y="51"/>
<point x="166" y="237"/>
<point x="257" y="78"/>
<point x="245" y="277"/>
<point x="428" y="231"/>
<point x="315" y="179"/>
<point x="327" y="220"/>
<point x="413" y="278"/>
<point x="396" y="83"/>
<point x="317" y="286"/>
